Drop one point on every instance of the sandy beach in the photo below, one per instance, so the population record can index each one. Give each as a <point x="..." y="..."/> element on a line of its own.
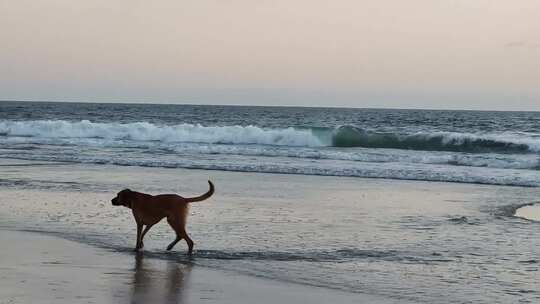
<point x="38" y="268"/>
<point x="531" y="212"/>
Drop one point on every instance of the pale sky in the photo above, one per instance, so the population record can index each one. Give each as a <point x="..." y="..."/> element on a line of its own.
<point x="468" y="54"/>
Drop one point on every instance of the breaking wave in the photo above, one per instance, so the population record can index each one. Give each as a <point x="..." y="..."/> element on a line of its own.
<point x="350" y="136"/>
<point x="343" y="136"/>
<point x="144" y="131"/>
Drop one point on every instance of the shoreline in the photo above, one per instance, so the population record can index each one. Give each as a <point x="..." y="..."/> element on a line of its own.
<point x="40" y="268"/>
<point x="19" y="164"/>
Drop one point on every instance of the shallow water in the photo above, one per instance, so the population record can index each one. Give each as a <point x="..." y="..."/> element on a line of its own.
<point x="421" y="241"/>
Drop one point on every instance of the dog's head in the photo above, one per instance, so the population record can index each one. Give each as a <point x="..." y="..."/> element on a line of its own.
<point x="123" y="198"/>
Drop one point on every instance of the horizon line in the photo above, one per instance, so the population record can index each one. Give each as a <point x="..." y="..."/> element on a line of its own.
<point x="268" y="106"/>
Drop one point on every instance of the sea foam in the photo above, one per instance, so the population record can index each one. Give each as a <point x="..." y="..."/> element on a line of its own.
<point x="144" y="131"/>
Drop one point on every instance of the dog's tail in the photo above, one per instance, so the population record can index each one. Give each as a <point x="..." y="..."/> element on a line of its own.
<point x="202" y="197"/>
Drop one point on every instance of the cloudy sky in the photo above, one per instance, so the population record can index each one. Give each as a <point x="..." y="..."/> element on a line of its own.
<point x="470" y="54"/>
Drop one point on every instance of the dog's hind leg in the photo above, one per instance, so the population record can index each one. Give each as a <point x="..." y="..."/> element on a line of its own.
<point x="174" y="226"/>
<point x="176" y="240"/>
<point x="189" y="241"/>
<point x="179" y="226"/>
<point x="181" y="234"/>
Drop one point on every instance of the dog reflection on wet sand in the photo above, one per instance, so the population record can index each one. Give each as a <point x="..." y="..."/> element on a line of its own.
<point x="148" y="210"/>
<point x="152" y="285"/>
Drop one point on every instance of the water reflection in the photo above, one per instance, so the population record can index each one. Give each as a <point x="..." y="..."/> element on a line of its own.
<point x="157" y="281"/>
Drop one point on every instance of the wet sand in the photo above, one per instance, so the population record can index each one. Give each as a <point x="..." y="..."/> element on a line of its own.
<point x="37" y="268"/>
<point x="531" y="212"/>
<point x="378" y="241"/>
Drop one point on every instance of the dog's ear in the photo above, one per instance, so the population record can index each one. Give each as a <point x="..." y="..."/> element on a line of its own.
<point x="125" y="196"/>
<point x="128" y="194"/>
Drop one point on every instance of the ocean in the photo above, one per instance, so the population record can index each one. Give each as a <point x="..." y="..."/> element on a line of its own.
<point x="500" y="148"/>
<point x="416" y="206"/>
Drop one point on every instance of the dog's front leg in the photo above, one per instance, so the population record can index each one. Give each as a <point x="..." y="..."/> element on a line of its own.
<point x="139" y="235"/>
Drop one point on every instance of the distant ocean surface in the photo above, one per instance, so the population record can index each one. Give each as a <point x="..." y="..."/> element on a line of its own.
<point x="501" y="148"/>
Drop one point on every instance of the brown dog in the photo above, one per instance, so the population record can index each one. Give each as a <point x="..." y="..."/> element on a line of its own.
<point x="150" y="209"/>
